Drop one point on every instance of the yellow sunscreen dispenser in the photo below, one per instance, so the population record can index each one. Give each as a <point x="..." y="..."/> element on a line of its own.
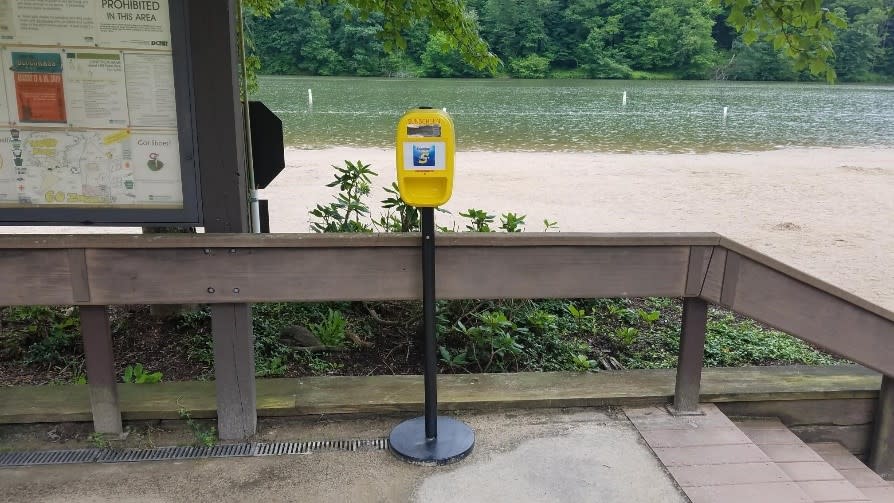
<point x="425" y="148"/>
<point x="426" y="145"/>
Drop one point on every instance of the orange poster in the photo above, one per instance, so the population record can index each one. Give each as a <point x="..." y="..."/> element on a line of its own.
<point x="37" y="78"/>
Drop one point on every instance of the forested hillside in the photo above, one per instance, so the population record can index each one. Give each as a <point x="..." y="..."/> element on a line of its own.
<point x="568" y="38"/>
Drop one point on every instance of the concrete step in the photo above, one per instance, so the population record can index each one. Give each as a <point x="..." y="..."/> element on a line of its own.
<point x="818" y="478"/>
<point x="715" y="460"/>
<point x="877" y="489"/>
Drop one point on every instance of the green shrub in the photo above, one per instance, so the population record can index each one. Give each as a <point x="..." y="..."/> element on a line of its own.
<point x="135" y="374"/>
<point x="331" y="331"/>
<point x="532" y="66"/>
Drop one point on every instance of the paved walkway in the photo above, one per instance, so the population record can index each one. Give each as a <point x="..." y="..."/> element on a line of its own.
<point x="716" y="460"/>
<point x="578" y="455"/>
<point x="640" y="455"/>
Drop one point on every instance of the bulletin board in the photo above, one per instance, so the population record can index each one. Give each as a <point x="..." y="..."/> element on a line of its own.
<point x="96" y="115"/>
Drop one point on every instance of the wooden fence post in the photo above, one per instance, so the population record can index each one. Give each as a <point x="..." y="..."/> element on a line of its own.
<point x="234" y="371"/>
<point x="692" y="355"/>
<point x="881" y="449"/>
<point x="222" y="169"/>
<point x="97" y="335"/>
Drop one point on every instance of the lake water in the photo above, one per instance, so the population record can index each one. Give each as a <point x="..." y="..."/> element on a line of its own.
<point x="587" y="115"/>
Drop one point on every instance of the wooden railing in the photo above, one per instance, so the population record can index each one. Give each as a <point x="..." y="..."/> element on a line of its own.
<point x="94" y="270"/>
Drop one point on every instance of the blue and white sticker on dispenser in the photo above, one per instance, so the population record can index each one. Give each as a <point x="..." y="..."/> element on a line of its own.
<point x="425" y="156"/>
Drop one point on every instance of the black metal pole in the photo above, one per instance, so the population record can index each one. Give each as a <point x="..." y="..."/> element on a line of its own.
<point x="428" y="310"/>
<point x="455" y="440"/>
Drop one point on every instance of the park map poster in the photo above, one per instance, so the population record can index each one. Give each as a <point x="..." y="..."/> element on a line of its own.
<point x="88" y="115"/>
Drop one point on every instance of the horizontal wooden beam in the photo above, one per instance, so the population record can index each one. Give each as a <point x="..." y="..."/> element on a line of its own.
<point x="804" y="278"/>
<point x="825" y="319"/>
<point x="119" y="276"/>
<point x="220" y="268"/>
<point x="37" y="241"/>
<point x="332" y="395"/>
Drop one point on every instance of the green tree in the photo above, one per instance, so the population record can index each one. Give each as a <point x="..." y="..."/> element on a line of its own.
<point x="804" y="30"/>
<point x="357" y="39"/>
<point x="442" y="60"/>
<point x="295" y="40"/>
<point x="759" y="61"/>
<point x="515" y="28"/>
<point x="859" y="48"/>
<point x="458" y="24"/>
<point x="676" y="35"/>
<point x="531" y="66"/>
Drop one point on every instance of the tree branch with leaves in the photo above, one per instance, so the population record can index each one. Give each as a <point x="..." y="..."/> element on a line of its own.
<point x="802" y="28"/>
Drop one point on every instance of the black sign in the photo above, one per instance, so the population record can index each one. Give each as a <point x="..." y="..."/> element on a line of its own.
<point x="267" y="150"/>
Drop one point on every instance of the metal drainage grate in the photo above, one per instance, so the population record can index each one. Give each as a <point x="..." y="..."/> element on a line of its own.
<point x="280" y="448"/>
<point x="49" y="457"/>
<point x="168" y="453"/>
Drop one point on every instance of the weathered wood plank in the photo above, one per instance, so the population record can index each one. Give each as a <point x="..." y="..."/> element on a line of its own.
<point x="549" y="272"/>
<point x="219" y="132"/>
<point x="805" y="278"/>
<point x="881" y="443"/>
<point x="261" y="275"/>
<point x="730" y="278"/>
<point x="699" y="260"/>
<point x="77" y="265"/>
<point x="234" y="371"/>
<point x="824" y="319"/>
<point x="97" y="335"/>
<point x="312" y="395"/>
<point x="845" y="412"/>
<point x="713" y="284"/>
<point x="795" y="382"/>
<point x="214" y="239"/>
<point x="253" y="275"/>
<point x="692" y="355"/>
<point x="35" y="277"/>
<point x="220" y="138"/>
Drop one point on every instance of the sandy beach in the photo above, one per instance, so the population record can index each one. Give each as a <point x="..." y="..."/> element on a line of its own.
<point x="828" y="212"/>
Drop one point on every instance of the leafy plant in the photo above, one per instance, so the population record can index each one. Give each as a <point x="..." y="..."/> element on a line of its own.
<point x="627" y="335"/>
<point x="532" y="66"/>
<point x="581" y="362"/>
<point x="492" y="340"/>
<point x="135" y="374"/>
<point x="271" y="367"/>
<point x="331" y="331"/>
<point x="649" y="317"/>
<point x="204" y="436"/>
<point x="52" y="335"/>
<point x="550" y="226"/>
<point x="480" y="220"/>
<point x="400" y="216"/>
<point x="316" y="365"/>
<point x="510" y="222"/>
<point x="580" y="318"/>
<point x="347" y="212"/>
<point x="578" y="314"/>
<point x="542" y="321"/>
<point x="98" y="440"/>
<point x="455" y="361"/>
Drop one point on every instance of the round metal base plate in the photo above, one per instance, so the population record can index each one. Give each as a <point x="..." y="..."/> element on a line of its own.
<point x="454" y="442"/>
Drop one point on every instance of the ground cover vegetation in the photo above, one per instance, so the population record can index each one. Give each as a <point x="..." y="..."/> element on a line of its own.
<point x="42" y="344"/>
<point x="691" y="39"/>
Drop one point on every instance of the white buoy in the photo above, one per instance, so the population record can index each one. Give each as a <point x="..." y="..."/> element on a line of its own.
<point x="310" y="98"/>
<point x="725" y="112"/>
<point x="624" y="99"/>
<point x="444" y="109"/>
